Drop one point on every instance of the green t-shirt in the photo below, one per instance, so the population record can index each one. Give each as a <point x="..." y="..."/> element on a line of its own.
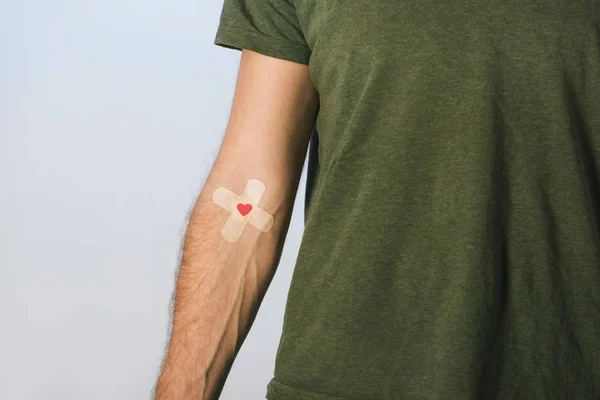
<point x="452" y="240"/>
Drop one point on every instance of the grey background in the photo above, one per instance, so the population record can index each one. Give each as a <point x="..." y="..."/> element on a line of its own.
<point x="111" y="113"/>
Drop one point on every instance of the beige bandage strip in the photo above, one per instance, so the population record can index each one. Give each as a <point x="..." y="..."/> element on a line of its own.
<point x="236" y="205"/>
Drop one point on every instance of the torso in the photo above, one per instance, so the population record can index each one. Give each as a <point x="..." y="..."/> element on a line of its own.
<point x="452" y="244"/>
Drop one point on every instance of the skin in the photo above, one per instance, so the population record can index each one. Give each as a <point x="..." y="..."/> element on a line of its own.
<point x="220" y="285"/>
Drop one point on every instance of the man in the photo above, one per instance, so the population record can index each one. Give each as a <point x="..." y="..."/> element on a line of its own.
<point x="451" y="247"/>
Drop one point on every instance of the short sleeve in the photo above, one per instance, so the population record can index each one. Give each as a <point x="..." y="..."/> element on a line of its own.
<point x="269" y="27"/>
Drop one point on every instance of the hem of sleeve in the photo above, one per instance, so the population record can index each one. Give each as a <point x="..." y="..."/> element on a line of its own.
<point x="233" y="38"/>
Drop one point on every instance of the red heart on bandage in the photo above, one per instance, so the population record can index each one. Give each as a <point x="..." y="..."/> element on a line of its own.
<point x="244" y="209"/>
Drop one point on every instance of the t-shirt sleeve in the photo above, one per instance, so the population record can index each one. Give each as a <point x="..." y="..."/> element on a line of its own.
<point x="269" y="27"/>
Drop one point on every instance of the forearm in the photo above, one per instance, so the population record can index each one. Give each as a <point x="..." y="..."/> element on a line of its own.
<point x="219" y="289"/>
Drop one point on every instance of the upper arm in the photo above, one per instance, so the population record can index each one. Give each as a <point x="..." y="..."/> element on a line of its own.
<point x="272" y="114"/>
<point x="266" y="138"/>
<point x="273" y="109"/>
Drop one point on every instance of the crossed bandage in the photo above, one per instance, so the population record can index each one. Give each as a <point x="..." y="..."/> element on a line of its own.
<point x="243" y="210"/>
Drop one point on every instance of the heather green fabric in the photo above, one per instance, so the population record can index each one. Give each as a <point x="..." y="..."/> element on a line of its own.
<point x="451" y="247"/>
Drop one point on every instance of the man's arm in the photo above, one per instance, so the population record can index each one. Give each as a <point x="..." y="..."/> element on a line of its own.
<point x="221" y="283"/>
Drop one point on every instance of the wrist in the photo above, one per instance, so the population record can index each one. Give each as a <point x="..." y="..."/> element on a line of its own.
<point x="175" y="384"/>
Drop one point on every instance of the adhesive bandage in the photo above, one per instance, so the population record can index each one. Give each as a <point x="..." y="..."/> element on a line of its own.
<point x="243" y="210"/>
